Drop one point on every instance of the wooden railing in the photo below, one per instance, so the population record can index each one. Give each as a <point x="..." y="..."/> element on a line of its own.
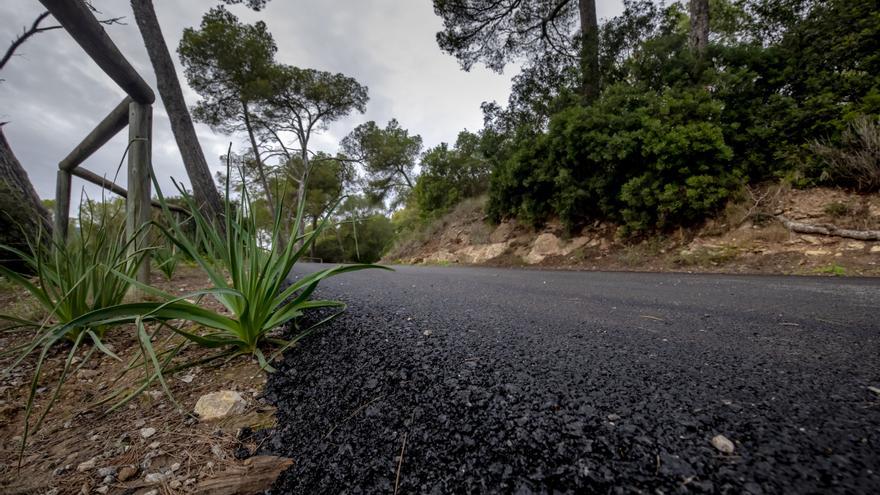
<point x="135" y="111"/>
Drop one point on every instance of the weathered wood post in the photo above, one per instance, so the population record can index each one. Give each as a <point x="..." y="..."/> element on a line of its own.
<point x="62" y="205"/>
<point x="137" y="206"/>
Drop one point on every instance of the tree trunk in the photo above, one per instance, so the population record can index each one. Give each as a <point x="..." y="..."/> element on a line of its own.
<point x="270" y="200"/>
<point x="23" y="217"/>
<point x="314" y="228"/>
<point x="589" y="50"/>
<point x="204" y="191"/>
<point x="301" y="193"/>
<point x="699" y="36"/>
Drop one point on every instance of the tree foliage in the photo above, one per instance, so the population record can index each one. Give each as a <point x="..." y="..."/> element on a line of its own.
<point x="230" y="65"/>
<point x="388" y="156"/>
<point x="450" y="175"/>
<point x="676" y="131"/>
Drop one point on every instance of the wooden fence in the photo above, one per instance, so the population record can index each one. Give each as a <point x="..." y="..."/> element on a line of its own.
<point x="135" y="111"/>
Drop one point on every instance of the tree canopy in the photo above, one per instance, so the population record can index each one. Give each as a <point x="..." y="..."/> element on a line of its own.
<point x="389" y="157"/>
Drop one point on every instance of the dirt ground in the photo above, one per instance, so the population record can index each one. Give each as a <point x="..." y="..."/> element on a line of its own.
<point x="747" y="237"/>
<point x="82" y="448"/>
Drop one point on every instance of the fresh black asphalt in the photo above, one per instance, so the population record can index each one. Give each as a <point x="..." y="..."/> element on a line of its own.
<point x="526" y="381"/>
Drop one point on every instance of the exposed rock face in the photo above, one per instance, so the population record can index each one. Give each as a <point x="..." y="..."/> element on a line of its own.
<point x="545" y="245"/>
<point x="548" y="244"/>
<point x="503" y="232"/>
<point x="481" y="253"/>
<point x="220" y="405"/>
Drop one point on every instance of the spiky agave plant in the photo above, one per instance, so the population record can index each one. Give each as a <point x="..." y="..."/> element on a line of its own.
<point x="166" y="259"/>
<point x="77" y="276"/>
<point x="247" y="278"/>
<point x="72" y="279"/>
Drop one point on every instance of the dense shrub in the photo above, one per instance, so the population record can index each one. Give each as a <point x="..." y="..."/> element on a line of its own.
<point x="450" y="175"/>
<point x="672" y="134"/>
<point x="647" y="159"/>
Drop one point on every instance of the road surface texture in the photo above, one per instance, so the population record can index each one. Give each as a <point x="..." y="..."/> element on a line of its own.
<point x="524" y="381"/>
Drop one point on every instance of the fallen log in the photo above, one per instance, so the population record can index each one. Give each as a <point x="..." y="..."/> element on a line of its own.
<point x="829" y="229"/>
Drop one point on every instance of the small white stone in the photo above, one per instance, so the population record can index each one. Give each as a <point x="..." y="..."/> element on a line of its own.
<point x="218" y="452"/>
<point x="154" y="478"/>
<point x="107" y="471"/>
<point x="175" y="466"/>
<point x="102" y="489"/>
<point x="152" y="492"/>
<point x="817" y="252"/>
<point x="147" y="432"/>
<point x="723" y="444"/>
<point x="175" y="484"/>
<point x="87" y="465"/>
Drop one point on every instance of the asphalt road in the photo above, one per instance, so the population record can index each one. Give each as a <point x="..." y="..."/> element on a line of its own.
<point x="526" y="381"/>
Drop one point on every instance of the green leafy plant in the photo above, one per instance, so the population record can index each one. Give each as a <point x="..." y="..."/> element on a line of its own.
<point x="248" y="278"/>
<point x="832" y="269"/>
<point x="73" y="278"/>
<point x="837" y="209"/>
<point x="166" y="259"/>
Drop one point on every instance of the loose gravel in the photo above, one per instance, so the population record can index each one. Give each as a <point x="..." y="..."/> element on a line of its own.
<point x="448" y="380"/>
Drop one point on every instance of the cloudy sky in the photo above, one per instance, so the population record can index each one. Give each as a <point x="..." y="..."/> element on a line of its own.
<point x="53" y="94"/>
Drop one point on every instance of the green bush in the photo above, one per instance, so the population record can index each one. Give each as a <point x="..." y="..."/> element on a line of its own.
<point x="450" y="175"/>
<point x="647" y="159"/>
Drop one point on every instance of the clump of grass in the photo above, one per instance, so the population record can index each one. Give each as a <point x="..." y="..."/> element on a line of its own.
<point x="837" y="209"/>
<point x="166" y="259"/>
<point x="73" y="278"/>
<point x="832" y="269"/>
<point x="705" y="256"/>
<point x="90" y="273"/>
<point x="642" y="253"/>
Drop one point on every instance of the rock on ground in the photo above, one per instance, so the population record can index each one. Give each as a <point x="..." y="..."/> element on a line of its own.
<point x="220" y="405"/>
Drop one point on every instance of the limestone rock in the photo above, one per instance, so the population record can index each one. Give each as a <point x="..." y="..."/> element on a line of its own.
<point x="482" y="253"/>
<point x="219" y="405"/>
<point x="545" y="245"/>
<point x="502" y="233"/>
<point x="817" y="252"/>
<point x="723" y="444"/>
<point x="87" y="465"/>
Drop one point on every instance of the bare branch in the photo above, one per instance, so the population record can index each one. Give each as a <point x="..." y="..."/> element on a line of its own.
<point x="35" y="29"/>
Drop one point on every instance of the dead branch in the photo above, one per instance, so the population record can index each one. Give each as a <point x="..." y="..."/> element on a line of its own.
<point x="829" y="229"/>
<point x="36" y="28"/>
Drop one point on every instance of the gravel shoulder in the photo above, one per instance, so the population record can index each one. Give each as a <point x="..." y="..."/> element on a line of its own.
<point x="511" y="381"/>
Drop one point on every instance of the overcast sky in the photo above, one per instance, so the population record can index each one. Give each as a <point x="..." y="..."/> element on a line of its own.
<point x="53" y="94"/>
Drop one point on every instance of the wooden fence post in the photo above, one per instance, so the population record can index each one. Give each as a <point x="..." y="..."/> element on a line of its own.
<point x="62" y="205"/>
<point x="137" y="206"/>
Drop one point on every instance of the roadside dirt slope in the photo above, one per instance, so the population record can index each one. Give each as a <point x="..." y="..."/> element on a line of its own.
<point x="747" y="237"/>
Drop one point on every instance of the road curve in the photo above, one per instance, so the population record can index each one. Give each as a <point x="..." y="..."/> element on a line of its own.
<point x="527" y="381"/>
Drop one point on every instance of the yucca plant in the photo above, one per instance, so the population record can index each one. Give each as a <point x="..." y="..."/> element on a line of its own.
<point x="248" y="279"/>
<point x="77" y="276"/>
<point x="166" y="259"/>
<point x="72" y="279"/>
